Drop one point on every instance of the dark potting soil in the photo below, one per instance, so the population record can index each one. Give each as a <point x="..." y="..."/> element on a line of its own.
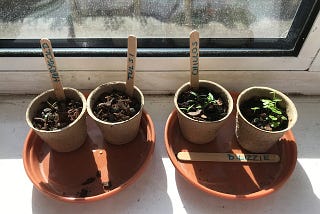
<point x="53" y="115"/>
<point x="202" y="105"/>
<point x="116" y="107"/>
<point x="259" y="117"/>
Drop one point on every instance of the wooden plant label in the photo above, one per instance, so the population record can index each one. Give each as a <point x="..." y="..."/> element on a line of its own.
<point x="131" y="64"/>
<point x="194" y="59"/>
<point x="228" y="157"/>
<point x="52" y="67"/>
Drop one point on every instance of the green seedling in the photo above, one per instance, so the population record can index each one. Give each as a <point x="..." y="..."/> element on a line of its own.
<point x="202" y="101"/>
<point x="273" y="113"/>
<point x="202" y="104"/>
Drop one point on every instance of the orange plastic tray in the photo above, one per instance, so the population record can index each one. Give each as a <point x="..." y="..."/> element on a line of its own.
<point x="95" y="171"/>
<point x="230" y="180"/>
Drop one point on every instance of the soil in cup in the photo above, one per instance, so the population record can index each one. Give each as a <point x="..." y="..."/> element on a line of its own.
<point x="116" y="107"/>
<point x="202" y="105"/>
<point x="54" y="115"/>
<point x="265" y="113"/>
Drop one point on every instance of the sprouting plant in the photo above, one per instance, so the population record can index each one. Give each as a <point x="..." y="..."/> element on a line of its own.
<point x="200" y="101"/>
<point x="202" y="104"/>
<point x="274" y="114"/>
<point x="254" y="109"/>
<point x="210" y="99"/>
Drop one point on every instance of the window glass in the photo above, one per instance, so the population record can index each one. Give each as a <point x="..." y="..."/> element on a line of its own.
<point x="254" y="24"/>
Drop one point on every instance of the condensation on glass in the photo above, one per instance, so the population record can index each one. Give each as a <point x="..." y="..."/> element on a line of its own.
<point x="32" y="19"/>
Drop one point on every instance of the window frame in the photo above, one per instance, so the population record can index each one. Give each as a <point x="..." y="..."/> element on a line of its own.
<point x="291" y="74"/>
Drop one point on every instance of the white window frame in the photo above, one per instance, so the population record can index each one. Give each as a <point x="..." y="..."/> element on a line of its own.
<point x="298" y="74"/>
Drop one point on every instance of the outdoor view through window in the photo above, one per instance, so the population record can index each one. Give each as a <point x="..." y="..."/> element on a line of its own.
<point x="32" y="19"/>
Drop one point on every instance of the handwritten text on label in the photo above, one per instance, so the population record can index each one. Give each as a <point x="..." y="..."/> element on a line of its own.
<point x="50" y="62"/>
<point x="195" y="58"/>
<point x="130" y="66"/>
<point x="249" y="157"/>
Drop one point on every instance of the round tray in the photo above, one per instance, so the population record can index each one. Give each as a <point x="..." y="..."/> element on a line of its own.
<point x="230" y="180"/>
<point x="95" y="171"/>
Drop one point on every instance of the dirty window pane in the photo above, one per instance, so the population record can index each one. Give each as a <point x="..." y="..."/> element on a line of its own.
<point x="32" y="19"/>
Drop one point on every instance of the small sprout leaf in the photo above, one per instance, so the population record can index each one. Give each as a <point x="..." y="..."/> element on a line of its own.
<point x="273" y="117"/>
<point x="255" y="108"/>
<point x="210" y="97"/>
<point x="193" y="93"/>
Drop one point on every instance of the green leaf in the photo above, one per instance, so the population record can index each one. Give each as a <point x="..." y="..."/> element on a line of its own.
<point x="255" y="108"/>
<point x="210" y="97"/>
<point x="190" y="107"/>
<point x="277" y="100"/>
<point x="266" y="101"/>
<point x="275" y="124"/>
<point x="284" y="117"/>
<point x="193" y="93"/>
<point x="190" y="101"/>
<point x="275" y="110"/>
<point x="273" y="117"/>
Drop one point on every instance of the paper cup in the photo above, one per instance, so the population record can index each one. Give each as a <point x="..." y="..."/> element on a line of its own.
<point x="255" y="139"/>
<point x="65" y="139"/>
<point x="201" y="132"/>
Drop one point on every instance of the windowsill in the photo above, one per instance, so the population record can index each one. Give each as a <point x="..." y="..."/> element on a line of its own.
<point x="160" y="189"/>
<point x="163" y="82"/>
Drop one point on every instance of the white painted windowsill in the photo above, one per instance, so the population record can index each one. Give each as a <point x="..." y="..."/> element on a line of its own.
<point x="160" y="189"/>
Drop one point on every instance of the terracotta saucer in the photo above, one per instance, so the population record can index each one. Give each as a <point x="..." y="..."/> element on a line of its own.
<point x="95" y="171"/>
<point x="230" y="180"/>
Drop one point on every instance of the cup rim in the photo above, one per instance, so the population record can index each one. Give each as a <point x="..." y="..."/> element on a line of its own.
<point x="93" y="92"/>
<point x="225" y="91"/>
<point x="83" y="111"/>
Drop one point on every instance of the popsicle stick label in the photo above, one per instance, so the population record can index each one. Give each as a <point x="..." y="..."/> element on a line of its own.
<point x="228" y="157"/>
<point x="52" y="67"/>
<point x="194" y="59"/>
<point x="49" y="57"/>
<point x="131" y="64"/>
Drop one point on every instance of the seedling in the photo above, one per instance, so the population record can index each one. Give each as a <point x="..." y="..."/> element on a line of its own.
<point x="202" y="105"/>
<point x="267" y="115"/>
